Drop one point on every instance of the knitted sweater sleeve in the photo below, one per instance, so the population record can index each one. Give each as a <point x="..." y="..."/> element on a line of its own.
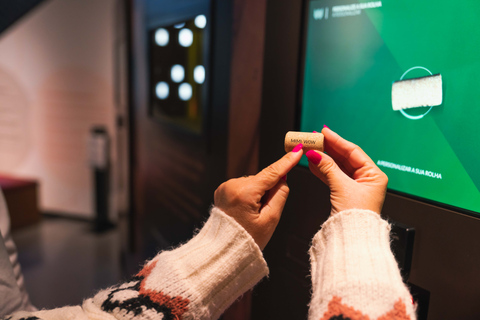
<point x="198" y="280"/>
<point x="354" y="273"/>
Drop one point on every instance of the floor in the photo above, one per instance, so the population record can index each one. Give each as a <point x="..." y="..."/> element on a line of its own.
<point x="64" y="261"/>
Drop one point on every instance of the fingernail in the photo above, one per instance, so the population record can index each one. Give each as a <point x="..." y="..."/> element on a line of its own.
<point x="315" y="131"/>
<point x="298" y="147"/>
<point x="284" y="178"/>
<point x="325" y="126"/>
<point x="313" y="157"/>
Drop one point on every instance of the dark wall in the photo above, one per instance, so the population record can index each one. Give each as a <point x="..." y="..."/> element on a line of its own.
<point x="175" y="171"/>
<point x="174" y="174"/>
<point x="288" y="287"/>
<point x="446" y="252"/>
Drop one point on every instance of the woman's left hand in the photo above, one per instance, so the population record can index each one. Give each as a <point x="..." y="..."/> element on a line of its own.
<point x="256" y="202"/>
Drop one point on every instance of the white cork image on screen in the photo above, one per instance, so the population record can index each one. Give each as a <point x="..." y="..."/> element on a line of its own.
<point x="417" y="92"/>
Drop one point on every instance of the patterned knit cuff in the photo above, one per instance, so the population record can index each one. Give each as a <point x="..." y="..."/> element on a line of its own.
<point x="353" y="266"/>
<point x="198" y="280"/>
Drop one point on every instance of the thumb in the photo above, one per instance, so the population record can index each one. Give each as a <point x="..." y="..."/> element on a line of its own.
<point x="269" y="177"/>
<point x="325" y="168"/>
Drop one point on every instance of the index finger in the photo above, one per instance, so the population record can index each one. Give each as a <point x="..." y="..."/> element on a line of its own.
<point x="269" y="177"/>
<point x="351" y="156"/>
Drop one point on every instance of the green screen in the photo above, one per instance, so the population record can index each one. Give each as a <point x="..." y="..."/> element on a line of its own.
<point x="356" y="50"/>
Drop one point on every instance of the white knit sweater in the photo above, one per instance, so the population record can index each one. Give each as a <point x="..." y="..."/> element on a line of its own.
<point x="354" y="274"/>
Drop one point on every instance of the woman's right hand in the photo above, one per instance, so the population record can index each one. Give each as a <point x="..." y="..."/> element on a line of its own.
<point x="354" y="180"/>
<point x="256" y="202"/>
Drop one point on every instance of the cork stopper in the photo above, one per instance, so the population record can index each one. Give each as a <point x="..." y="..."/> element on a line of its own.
<point x="310" y="141"/>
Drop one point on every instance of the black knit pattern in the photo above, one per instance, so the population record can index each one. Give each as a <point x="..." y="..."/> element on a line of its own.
<point x="135" y="305"/>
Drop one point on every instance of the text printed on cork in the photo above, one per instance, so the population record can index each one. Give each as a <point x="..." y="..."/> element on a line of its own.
<point x="310" y="141"/>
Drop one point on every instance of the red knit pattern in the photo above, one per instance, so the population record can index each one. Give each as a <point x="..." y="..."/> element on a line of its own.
<point x="399" y="312"/>
<point x="336" y="308"/>
<point x="178" y="305"/>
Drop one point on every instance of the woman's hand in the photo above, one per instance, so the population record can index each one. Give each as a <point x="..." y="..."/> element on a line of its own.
<point x="354" y="180"/>
<point x="256" y="202"/>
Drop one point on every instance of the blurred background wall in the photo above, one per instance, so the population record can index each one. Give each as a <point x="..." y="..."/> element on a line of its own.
<point x="56" y="82"/>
